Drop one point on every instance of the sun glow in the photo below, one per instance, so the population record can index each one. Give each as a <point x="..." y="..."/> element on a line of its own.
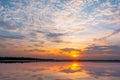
<point x="75" y="54"/>
<point x="75" y="66"/>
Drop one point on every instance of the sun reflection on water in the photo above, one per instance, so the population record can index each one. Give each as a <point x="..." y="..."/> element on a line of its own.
<point x="61" y="71"/>
<point x="75" y="66"/>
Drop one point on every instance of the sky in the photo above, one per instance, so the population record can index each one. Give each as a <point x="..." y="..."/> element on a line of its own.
<point x="60" y="29"/>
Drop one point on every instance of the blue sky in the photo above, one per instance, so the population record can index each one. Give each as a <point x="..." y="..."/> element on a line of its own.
<point x="46" y="28"/>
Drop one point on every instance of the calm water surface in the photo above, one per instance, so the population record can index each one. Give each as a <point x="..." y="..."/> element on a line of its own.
<point x="60" y="71"/>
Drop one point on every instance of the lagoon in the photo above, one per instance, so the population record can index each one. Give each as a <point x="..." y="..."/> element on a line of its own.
<point x="60" y="71"/>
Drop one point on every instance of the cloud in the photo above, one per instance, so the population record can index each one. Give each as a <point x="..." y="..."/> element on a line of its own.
<point x="102" y="70"/>
<point x="54" y="34"/>
<point x="10" y="35"/>
<point x="61" y="41"/>
<point x="69" y="70"/>
<point x="35" y="50"/>
<point x="111" y="49"/>
<point x="7" y="25"/>
<point x="70" y="49"/>
<point x="2" y="46"/>
<point x="55" y="37"/>
<point x="115" y="32"/>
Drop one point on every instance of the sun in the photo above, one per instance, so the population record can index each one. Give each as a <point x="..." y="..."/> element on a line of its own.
<point x="75" y="55"/>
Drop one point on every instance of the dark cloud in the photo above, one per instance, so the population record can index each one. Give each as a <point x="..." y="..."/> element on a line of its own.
<point x="55" y="37"/>
<point x="69" y="70"/>
<point x="103" y="49"/>
<point x="35" y="50"/>
<point x="54" y="34"/>
<point x="115" y="31"/>
<point x="10" y="35"/>
<point x="50" y="36"/>
<point x="2" y="46"/>
<point x="39" y="45"/>
<point x="39" y="31"/>
<point x="38" y="42"/>
<point x="70" y="49"/>
<point x="60" y="41"/>
<point x="7" y="25"/>
<point x="102" y="70"/>
<point x="105" y="37"/>
<point x="99" y="72"/>
<point x="32" y="34"/>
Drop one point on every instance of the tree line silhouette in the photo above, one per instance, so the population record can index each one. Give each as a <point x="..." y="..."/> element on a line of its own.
<point x="29" y="59"/>
<point x="21" y="58"/>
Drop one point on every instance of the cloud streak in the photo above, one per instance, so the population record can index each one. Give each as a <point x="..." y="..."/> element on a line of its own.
<point x="70" y="49"/>
<point x="35" y="50"/>
<point x="115" y="32"/>
<point x="10" y="35"/>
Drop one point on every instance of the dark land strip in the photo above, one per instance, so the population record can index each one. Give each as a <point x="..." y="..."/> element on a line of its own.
<point x="26" y="60"/>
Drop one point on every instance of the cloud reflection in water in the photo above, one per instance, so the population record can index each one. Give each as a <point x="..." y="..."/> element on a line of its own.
<point x="60" y="71"/>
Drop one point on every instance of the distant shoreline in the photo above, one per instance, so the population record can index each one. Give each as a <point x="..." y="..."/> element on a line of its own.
<point x="26" y="60"/>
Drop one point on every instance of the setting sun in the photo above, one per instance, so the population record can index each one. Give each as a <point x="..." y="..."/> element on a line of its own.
<point x="75" y="55"/>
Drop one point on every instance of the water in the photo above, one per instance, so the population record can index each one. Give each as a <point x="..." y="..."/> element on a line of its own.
<point x="60" y="71"/>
